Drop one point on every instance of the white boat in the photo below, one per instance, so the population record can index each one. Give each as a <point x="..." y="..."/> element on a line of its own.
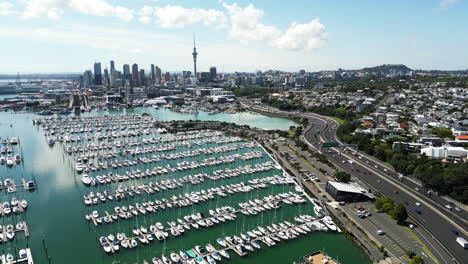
<point x="2" y="160"/>
<point x="319" y="211"/>
<point x="14" y="141"/>
<point x="329" y="223"/>
<point x="79" y="167"/>
<point x="86" y="179"/>
<point x="174" y="257"/>
<point x="9" y="161"/>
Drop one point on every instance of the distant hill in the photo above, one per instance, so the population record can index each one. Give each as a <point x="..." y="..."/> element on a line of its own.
<point x="387" y="68"/>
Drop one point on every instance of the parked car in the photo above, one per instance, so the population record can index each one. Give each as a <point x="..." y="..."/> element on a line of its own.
<point x="448" y="206"/>
<point x="380" y="232"/>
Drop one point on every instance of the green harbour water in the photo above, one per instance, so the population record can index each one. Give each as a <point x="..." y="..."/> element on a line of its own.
<point x="56" y="212"/>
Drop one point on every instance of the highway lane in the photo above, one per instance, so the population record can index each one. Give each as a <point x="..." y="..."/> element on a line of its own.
<point x="438" y="222"/>
<point x="460" y="218"/>
<point x="437" y="225"/>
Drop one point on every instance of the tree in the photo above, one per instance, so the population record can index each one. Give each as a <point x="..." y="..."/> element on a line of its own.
<point x="343" y="176"/>
<point x="384" y="203"/>
<point x="399" y="213"/>
<point x="416" y="260"/>
<point x="443" y="132"/>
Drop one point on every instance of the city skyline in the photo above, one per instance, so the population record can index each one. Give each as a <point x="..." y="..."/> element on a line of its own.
<point x="50" y="36"/>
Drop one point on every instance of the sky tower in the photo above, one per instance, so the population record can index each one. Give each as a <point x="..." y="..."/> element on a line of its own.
<point x="194" y="54"/>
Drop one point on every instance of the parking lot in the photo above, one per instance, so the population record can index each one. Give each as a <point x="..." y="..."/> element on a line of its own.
<point x="395" y="238"/>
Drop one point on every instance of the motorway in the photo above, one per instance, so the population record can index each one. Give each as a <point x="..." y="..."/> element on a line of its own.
<point x="434" y="218"/>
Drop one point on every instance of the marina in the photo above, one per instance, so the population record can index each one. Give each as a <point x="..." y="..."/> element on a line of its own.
<point x="169" y="183"/>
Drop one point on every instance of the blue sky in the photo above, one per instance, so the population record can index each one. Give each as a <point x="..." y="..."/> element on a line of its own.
<point x="242" y="35"/>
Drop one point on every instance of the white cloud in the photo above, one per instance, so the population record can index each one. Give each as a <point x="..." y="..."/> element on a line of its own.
<point x="5" y="8"/>
<point x="302" y="36"/>
<point x="55" y="8"/>
<point x="245" y="25"/>
<point x="172" y="16"/>
<point x="446" y="4"/>
<point x="146" y="14"/>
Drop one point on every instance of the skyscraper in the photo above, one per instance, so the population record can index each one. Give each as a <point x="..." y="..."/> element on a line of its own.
<point x="142" y="78"/>
<point x="126" y="72"/>
<point x="87" y="78"/>
<point x="212" y="73"/>
<point x="194" y="54"/>
<point x="106" y="77"/>
<point x="153" y="74"/>
<point x="158" y="75"/>
<point x="135" y="75"/>
<point x="97" y="73"/>
<point x="112" y="66"/>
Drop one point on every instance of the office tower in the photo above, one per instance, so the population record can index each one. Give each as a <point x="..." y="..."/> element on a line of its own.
<point x="106" y="77"/>
<point x="167" y="77"/>
<point x="153" y="74"/>
<point x="126" y="72"/>
<point x="158" y="75"/>
<point x="113" y="78"/>
<point x="212" y="73"/>
<point x="194" y="54"/>
<point x="135" y="75"/>
<point x="112" y="66"/>
<point x="97" y="73"/>
<point x="142" y="78"/>
<point x="87" y="78"/>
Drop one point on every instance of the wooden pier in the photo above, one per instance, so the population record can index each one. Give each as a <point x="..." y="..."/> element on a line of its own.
<point x="24" y="228"/>
<point x="15" y="186"/>
<point x="28" y="258"/>
<point x="158" y="206"/>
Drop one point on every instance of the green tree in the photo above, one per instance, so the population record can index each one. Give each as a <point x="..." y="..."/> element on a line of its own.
<point x="417" y="260"/>
<point x="443" y="132"/>
<point x="399" y="213"/>
<point x="384" y="201"/>
<point x="343" y="176"/>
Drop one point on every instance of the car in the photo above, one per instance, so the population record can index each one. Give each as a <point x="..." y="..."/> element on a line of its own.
<point x="448" y="206"/>
<point x="385" y="169"/>
<point x="418" y="211"/>
<point x="457" y="209"/>
<point x="418" y="204"/>
<point x="395" y="191"/>
<point x="380" y="232"/>
<point x="411" y="226"/>
<point x="379" y="181"/>
<point x="416" y="189"/>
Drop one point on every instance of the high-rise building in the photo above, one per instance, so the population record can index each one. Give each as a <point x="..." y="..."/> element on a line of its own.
<point x="87" y="79"/>
<point x="194" y="54"/>
<point x="97" y="73"/>
<point x="212" y="73"/>
<point x="126" y="72"/>
<point x="113" y="78"/>
<point x="142" y="78"/>
<point x="135" y="76"/>
<point x="167" y="77"/>
<point x="153" y="74"/>
<point x="106" y="77"/>
<point x="112" y="66"/>
<point x="158" y="75"/>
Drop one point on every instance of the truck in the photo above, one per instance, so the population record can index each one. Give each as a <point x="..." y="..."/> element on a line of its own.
<point x="462" y="242"/>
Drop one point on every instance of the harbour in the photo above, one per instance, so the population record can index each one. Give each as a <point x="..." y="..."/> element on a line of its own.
<point x="61" y="189"/>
